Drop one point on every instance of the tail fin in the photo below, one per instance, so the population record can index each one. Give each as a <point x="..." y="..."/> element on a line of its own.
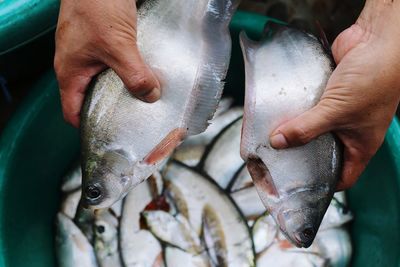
<point x="216" y="51"/>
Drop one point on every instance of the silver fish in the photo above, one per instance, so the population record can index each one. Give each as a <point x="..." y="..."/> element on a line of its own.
<point x="286" y="75"/>
<point x="175" y="231"/>
<point x="73" y="249"/>
<point x="106" y="240"/>
<point x="198" y="193"/>
<point x="176" y="257"/>
<point x="278" y="255"/>
<point x="70" y="203"/>
<point x="249" y="202"/>
<point x="192" y="149"/>
<point x="139" y="248"/>
<point x="223" y="160"/>
<point x="187" y="43"/>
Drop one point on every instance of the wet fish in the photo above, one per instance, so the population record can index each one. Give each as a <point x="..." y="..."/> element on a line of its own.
<point x="286" y="75"/>
<point x="193" y="148"/>
<point x="106" y="240"/>
<point x="139" y="248"/>
<point x="223" y="160"/>
<point x="197" y="193"/>
<point x="278" y="256"/>
<point x="249" y="202"/>
<point x="70" y="203"/>
<point x="175" y="231"/>
<point x="264" y="232"/>
<point x="73" y="249"/>
<point x="124" y="140"/>
<point x="176" y="257"/>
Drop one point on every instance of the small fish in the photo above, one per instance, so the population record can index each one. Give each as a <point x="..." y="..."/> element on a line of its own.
<point x="176" y="257"/>
<point x="72" y="247"/>
<point x="106" y="240"/>
<point x="214" y="237"/>
<point x="278" y="256"/>
<point x="223" y="160"/>
<point x="286" y="75"/>
<point x="249" y="202"/>
<point x="175" y="231"/>
<point x="70" y="203"/>
<point x="264" y="232"/>
<point x="139" y="248"/>
<point x="193" y="148"/>
<point x="334" y="244"/>
<point x="124" y="140"/>
<point x="199" y="192"/>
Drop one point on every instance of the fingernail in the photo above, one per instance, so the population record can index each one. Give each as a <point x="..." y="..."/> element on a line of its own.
<point x="151" y="96"/>
<point x="278" y="141"/>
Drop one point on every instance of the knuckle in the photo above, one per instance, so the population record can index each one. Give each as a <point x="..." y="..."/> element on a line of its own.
<point x="301" y="135"/>
<point x="138" y="83"/>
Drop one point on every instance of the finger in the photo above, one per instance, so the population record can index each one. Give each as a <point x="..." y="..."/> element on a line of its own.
<point x="302" y="129"/>
<point x="72" y="95"/>
<point x="347" y="40"/>
<point x="136" y="75"/>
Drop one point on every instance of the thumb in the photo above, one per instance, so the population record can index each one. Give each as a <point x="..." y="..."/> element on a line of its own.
<point x="136" y="75"/>
<point x="346" y="41"/>
<point x="302" y="129"/>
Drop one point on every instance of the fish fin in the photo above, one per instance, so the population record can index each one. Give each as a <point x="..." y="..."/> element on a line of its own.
<point x="166" y="146"/>
<point x="216" y="53"/>
<point x="261" y="176"/>
<point x="323" y="39"/>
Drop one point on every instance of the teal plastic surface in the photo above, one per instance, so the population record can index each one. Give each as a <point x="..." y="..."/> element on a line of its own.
<point x="22" y="21"/>
<point x="37" y="148"/>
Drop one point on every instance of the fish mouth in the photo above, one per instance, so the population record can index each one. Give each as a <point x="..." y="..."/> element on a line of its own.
<point x="305" y="237"/>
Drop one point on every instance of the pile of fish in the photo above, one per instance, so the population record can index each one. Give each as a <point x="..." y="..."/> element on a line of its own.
<point x="199" y="209"/>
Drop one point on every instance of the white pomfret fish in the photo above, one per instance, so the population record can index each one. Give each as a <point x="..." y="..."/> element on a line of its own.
<point x="286" y="75"/>
<point x="187" y="43"/>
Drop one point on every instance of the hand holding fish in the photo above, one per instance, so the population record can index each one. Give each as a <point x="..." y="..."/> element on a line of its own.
<point x="362" y="94"/>
<point x="91" y="36"/>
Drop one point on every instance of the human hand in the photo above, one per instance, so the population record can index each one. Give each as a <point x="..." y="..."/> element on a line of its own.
<point x="362" y="94"/>
<point x="91" y="36"/>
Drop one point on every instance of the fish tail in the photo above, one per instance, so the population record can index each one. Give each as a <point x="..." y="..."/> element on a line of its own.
<point x="216" y="51"/>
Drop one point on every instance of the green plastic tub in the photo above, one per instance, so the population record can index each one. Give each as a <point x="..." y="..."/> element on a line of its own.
<point x="37" y="148"/>
<point x="26" y="26"/>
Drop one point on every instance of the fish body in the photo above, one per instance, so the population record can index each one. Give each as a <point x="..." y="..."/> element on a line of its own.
<point x="106" y="240"/>
<point x="286" y="75"/>
<point x="187" y="43"/>
<point x="73" y="249"/>
<point x="139" y="248"/>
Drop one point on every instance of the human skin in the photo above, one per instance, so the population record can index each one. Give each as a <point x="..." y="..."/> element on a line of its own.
<point x="362" y="94"/>
<point x="358" y="105"/>
<point x="91" y="36"/>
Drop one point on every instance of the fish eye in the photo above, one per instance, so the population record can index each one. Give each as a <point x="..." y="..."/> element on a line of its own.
<point x="92" y="192"/>
<point x="101" y="229"/>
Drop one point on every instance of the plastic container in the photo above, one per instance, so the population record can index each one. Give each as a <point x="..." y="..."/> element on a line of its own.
<point x="26" y="26"/>
<point x="37" y="148"/>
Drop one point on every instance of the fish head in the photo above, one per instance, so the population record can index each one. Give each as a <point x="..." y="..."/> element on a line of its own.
<point x="301" y="216"/>
<point x="106" y="178"/>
